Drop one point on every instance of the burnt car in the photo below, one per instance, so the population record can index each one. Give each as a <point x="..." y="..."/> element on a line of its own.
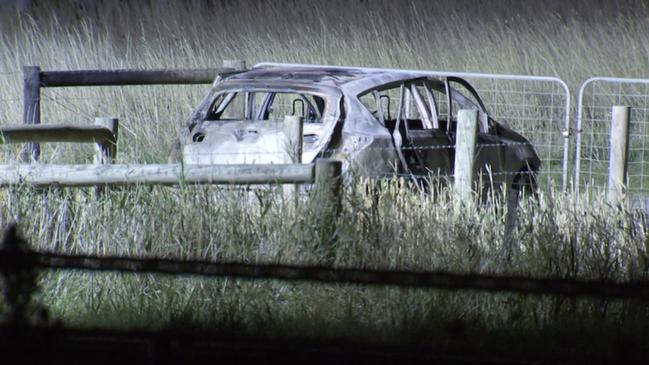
<point x="379" y="123"/>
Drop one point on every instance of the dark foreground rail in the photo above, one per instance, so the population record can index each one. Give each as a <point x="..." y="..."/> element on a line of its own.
<point x="17" y="260"/>
<point x="435" y="279"/>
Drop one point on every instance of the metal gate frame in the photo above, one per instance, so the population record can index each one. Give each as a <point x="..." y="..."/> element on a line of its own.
<point x="580" y="100"/>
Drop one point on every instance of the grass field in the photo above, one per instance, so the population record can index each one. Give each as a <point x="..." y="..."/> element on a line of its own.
<point x="562" y="236"/>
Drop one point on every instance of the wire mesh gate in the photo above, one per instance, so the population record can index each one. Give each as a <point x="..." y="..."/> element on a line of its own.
<point x="597" y="96"/>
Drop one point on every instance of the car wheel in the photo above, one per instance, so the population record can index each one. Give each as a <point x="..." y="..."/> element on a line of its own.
<point x="523" y="187"/>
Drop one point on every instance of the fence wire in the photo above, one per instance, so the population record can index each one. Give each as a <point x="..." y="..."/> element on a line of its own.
<point x="597" y="96"/>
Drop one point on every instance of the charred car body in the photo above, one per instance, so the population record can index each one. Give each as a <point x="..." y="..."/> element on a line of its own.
<point x="377" y="122"/>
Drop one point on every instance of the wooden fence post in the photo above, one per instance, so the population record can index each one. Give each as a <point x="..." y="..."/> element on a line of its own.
<point x="293" y="131"/>
<point x="328" y="186"/>
<point x="467" y="129"/>
<point x="106" y="150"/>
<point x="237" y="65"/>
<point x="31" y="108"/>
<point x="619" y="152"/>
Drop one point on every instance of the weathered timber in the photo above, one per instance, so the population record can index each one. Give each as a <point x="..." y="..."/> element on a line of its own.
<point x="238" y="65"/>
<point x="130" y="77"/>
<point x="467" y="129"/>
<point x="31" y="108"/>
<point x="618" y="152"/>
<point x="55" y="133"/>
<point x="16" y="256"/>
<point x="328" y="186"/>
<point x="158" y="174"/>
<point x="106" y="150"/>
<point x="293" y="134"/>
<point x="293" y="129"/>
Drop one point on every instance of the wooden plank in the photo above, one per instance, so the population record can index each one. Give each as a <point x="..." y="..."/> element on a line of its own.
<point x="467" y="131"/>
<point x="618" y="152"/>
<point x="294" y="137"/>
<point x="31" y="109"/>
<point x="130" y="77"/>
<point x="238" y="65"/>
<point x="106" y="151"/>
<point x="328" y="186"/>
<point x="55" y="133"/>
<point x="293" y="128"/>
<point x="524" y="284"/>
<point x="154" y="174"/>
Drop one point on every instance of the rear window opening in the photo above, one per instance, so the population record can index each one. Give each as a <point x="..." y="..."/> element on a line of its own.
<point x="266" y="105"/>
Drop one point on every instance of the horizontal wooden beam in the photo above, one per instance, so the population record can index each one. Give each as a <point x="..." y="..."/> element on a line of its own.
<point x="154" y="174"/>
<point x="16" y="257"/>
<point x="130" y="77"/>
<point x="55" y="133"/>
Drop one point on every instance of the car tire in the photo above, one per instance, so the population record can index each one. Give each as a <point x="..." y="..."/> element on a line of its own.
<point x="523" y="186"/>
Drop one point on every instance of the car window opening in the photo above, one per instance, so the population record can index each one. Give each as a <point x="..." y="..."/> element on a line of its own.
<point x="427" y="104"/>
<point x="266" y="105"/>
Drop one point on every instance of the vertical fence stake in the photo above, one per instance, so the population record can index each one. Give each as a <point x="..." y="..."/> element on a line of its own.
<point x="619" y="152"/>
<point x="106" y="151"/>
<point x="293" y="131"/>
<point x="328" y="186"/>
<point x="31" y="108"/>
<point x="467" y="129"/>
<point x="237" y="65"/>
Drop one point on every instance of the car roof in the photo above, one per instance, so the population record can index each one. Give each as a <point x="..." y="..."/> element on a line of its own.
<point x="349" y="80"/>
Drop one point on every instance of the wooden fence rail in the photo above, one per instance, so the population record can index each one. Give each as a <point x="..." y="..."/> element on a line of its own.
<point x="20" y="133"/>
<point x="104" y="133"/>
<point x="129" y="77"/>
<point x="15" y="257"/>
<point x="158" y="174"/>
<point x="34" y="79"/>
<point x="434" y="279"/>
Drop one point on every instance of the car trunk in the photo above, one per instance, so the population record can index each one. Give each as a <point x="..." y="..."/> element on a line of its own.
<point x="247" y="142"/>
